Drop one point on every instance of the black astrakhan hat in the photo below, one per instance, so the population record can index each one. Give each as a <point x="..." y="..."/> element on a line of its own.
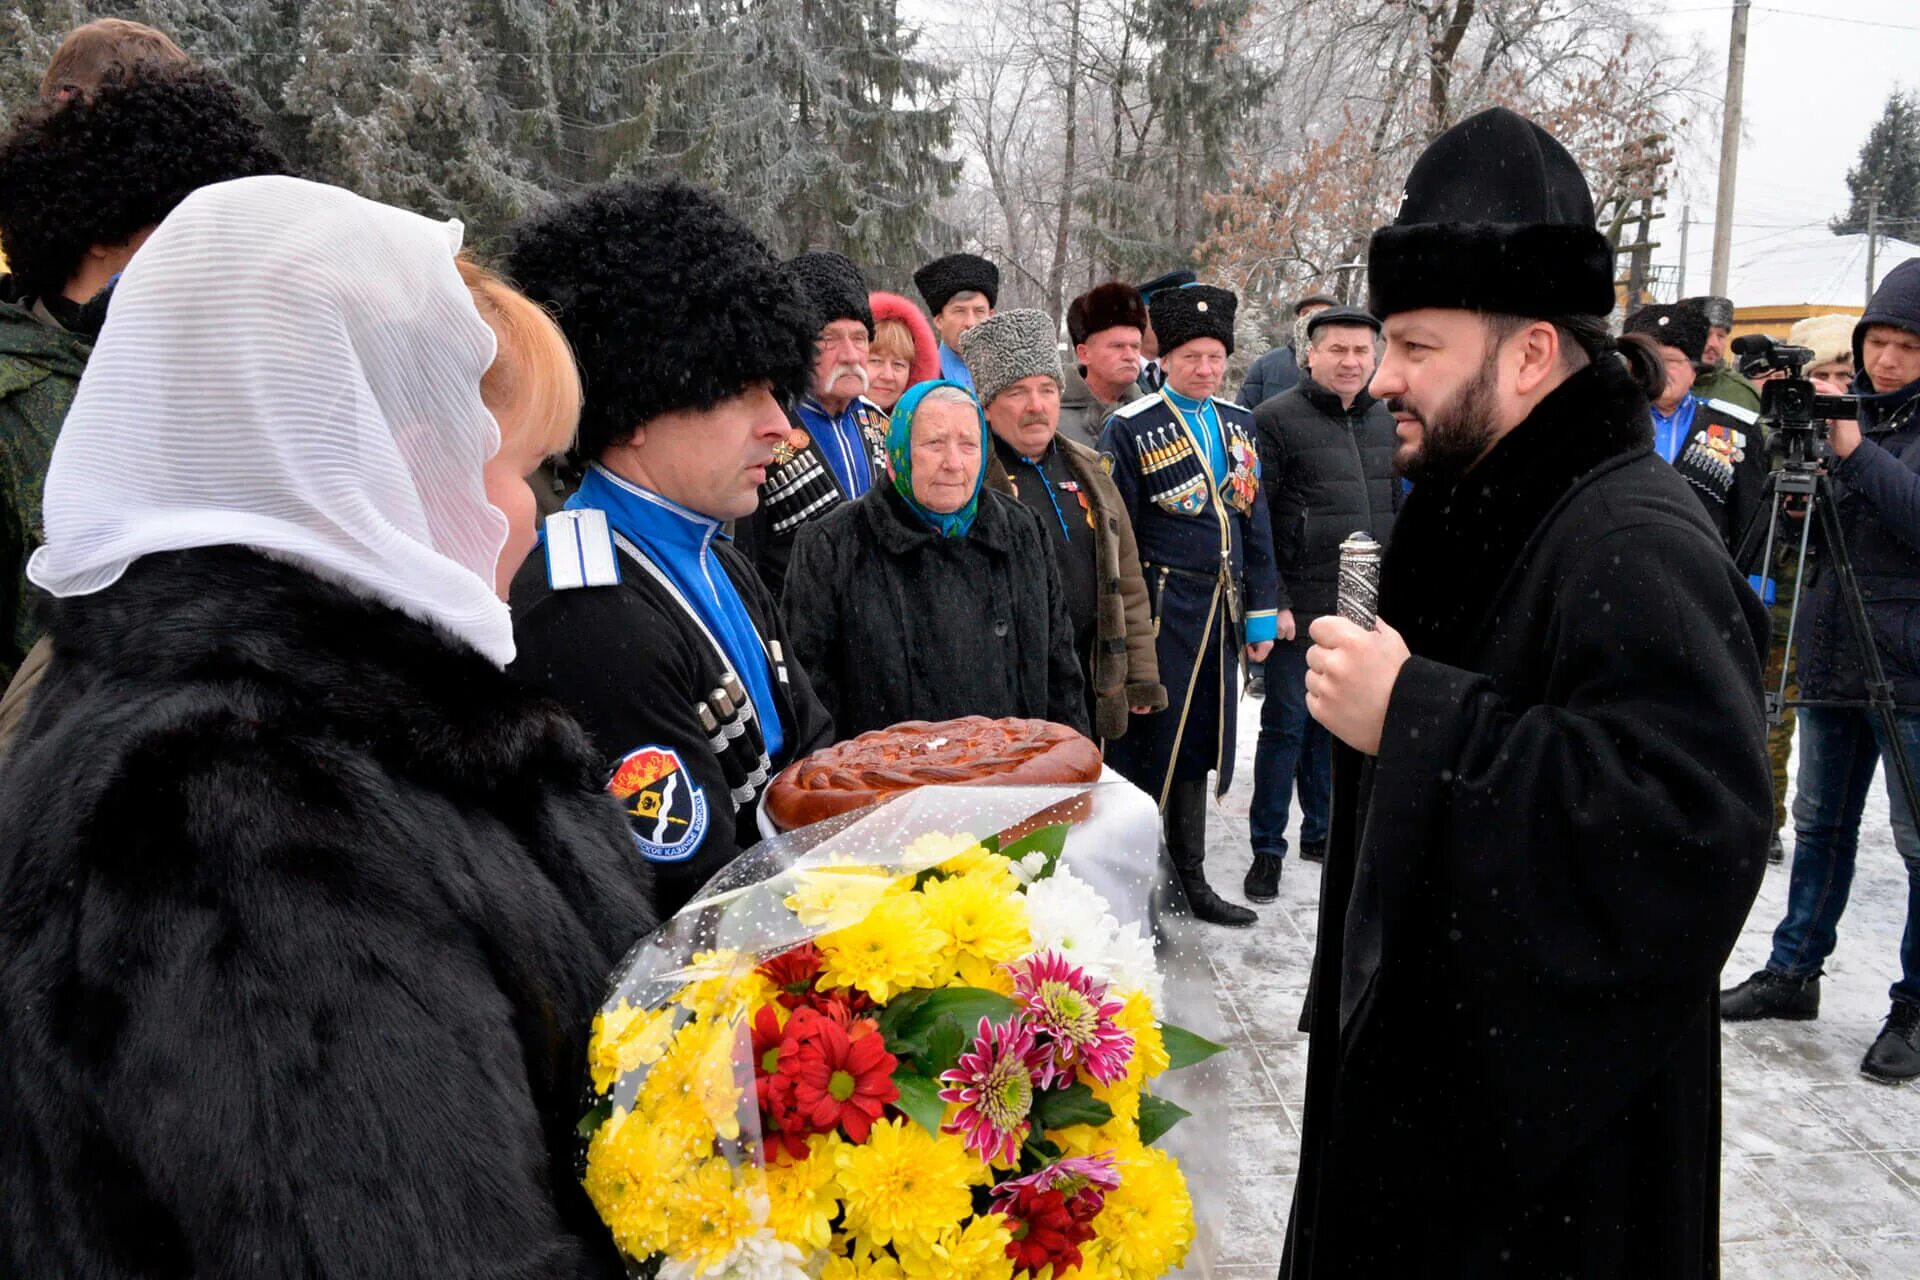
<point x="1496" y="218"/>
<point x="940" y="279"/>
<point x="670" y="302"/>
<point x="1717" y="310"/>
<point x="835" y="287"/>
<point x="1103" y="307"/>
<point x="1676" y="325"/>
<point x="1193" y="311"/>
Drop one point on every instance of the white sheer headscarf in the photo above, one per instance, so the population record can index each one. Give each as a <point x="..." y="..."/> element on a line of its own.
<point x="289" y="367"/>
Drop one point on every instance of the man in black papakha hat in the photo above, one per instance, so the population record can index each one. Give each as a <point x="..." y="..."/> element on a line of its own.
<point x="1188" y="471"/>
<point x="960" y="290"/>
<point x="1551" y="787"/>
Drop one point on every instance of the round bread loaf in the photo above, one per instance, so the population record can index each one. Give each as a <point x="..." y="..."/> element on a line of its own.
<point x="970" y="751"/>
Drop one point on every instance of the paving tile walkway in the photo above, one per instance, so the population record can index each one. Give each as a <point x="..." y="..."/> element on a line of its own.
<point x="1821" y="1167"/>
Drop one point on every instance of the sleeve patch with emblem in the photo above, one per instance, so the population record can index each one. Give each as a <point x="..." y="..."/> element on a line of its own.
<point x="666" y="809"/>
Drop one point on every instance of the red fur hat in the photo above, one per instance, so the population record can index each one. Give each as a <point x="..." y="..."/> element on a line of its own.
<point x="925" y="365"/>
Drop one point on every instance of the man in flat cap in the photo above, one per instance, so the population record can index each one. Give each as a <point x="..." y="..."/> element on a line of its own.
<point x="638" y="615"/>
<point x="838" y="440"/>
<point x="1015" y="359"/>
<point x="1550" y="788"/>
<point x="961" y="290"/>
<point x="1188" y="471"/>
<point x="1107" y="326"/>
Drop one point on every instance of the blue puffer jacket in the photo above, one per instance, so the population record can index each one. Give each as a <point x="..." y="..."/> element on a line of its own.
<point x="1878" y="498"/>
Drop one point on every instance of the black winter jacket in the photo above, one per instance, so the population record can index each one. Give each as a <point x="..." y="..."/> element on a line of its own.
<point x="305" y="910"/>
<point x="894" y="622"/>
<point x="1877" y="492"/>
<point x="1329" y="473"/>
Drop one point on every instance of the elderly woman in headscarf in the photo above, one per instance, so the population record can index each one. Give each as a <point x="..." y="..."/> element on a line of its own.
<point x="932" y="597"/>
<point x="307" y="906"/>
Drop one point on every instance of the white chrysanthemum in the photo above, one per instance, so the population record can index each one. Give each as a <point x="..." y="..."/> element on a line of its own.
<point x="1068" y="915"/>
<point x="758" y="1257"/>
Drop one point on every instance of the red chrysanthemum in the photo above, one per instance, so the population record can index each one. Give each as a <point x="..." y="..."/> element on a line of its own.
<point x="780" y="1123"/>
<point x="842" y="1076"/>
<point x="794" y="972"/>
<point x="1044" y="1231"/>
<point x="1074" y="1019"/>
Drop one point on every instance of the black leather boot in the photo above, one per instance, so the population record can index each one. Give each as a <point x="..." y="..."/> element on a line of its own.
<point x="1313" y="851"/>
<point x="1186" y="826"/>
<point x="1895" y="1056"/>
<point x="1768" y="995"/>
<point x="1263" y="878"/>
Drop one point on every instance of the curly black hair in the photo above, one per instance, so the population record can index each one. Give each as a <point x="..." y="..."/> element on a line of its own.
<point x="670" y="302"/>
<point x="97" y="168"/>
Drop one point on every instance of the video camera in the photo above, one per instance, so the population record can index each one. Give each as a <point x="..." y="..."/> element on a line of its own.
<point x="1793" y="411"/>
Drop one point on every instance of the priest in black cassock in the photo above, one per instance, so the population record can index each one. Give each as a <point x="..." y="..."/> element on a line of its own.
<point x="1551" y="794"/>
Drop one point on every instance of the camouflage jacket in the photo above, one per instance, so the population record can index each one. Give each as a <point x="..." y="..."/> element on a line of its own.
<point x="40" y="366"/>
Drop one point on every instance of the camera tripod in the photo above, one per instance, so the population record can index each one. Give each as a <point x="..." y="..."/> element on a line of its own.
<point x="1800" y="475"/>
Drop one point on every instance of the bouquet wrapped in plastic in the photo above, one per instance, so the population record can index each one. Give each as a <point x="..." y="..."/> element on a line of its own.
<point x="922" y="1039"/>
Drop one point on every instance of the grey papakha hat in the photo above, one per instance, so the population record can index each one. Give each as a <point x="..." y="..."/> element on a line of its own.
<point x="1007" y="347"/>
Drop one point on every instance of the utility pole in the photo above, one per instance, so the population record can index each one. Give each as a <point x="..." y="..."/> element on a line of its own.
<point x="1686" y="216"/>
<point x="1873" y="235"/>
<point x="1729" y="148"/>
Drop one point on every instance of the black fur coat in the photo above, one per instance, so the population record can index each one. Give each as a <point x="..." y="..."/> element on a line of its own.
<point x="304" y="912"/>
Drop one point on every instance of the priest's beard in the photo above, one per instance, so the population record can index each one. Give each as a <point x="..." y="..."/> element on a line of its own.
<point x="1454" y="435"/>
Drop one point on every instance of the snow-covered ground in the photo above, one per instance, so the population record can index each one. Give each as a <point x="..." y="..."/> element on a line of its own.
<point x="1821" y="1169"/>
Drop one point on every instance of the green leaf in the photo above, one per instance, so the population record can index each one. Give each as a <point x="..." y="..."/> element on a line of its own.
<point x="1075" y="1104"/>
<point x="1157" y="1115"/>
<point x="1185" y="1048"/>
<point x="1036" y="1153"/>
<point x="898" y="1010"/>
<point x="965" y="1005"/>
<point x="920" y="1099"/>
<point x="590" y="1123"/>
<point x="945" y="1042"/>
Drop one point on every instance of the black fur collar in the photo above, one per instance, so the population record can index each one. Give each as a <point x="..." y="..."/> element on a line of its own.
<point x="425" y="703"/>
<point x="1453" y="547"/>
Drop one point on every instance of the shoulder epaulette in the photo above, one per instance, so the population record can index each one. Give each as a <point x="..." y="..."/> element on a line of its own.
<point x="1737" y="412"/>
<point x="580" y="552"/>
<point x="1231" y="404"/>
<point x="1138" y="406"/>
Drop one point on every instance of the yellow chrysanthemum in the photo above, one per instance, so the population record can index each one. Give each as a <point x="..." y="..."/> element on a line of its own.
<point x="905" y="1186"/>
<point x="711" y="1210"/>
<point x="893" y="949"/>
<point x="1146" y="1225"/>
<point x="841" y="894"/>
<point x="1123" y="1097"/>
<point x="864" y="1264"/>
<point x="982" y="924"/>
<point x="1087" y="1140"/>
<point x="624" y="1038"/>
<point x="936" y="849"/>
<point x="1094" y="1264"/>
<point x="1149" y="1047"/>
<point x="723" y="984"/>
<point x="699" y="1081"/>
<point x="803" y="1197"/>
<point x="632" y="1164"/>
<point x="976" y="1251"/>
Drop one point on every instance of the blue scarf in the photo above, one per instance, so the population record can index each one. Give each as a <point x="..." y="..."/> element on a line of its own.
<point x="679" y="541"/>
<point x="1670" y="431"/>
<point x="953" y="524"/>
<point x="841" y="443"/>
<point x="1205" y="421"/>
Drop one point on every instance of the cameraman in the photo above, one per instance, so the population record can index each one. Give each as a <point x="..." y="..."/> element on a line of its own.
<point x="1876" y="474"/>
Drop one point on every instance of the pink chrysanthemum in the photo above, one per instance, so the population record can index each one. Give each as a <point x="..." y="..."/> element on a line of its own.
<point x="1082" y="1180"/>
<point x="994" y="1086"/>
<point x="1074" y="1018"/>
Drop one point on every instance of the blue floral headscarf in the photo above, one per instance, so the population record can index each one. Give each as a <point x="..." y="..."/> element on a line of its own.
<point x="900" y="452"/>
